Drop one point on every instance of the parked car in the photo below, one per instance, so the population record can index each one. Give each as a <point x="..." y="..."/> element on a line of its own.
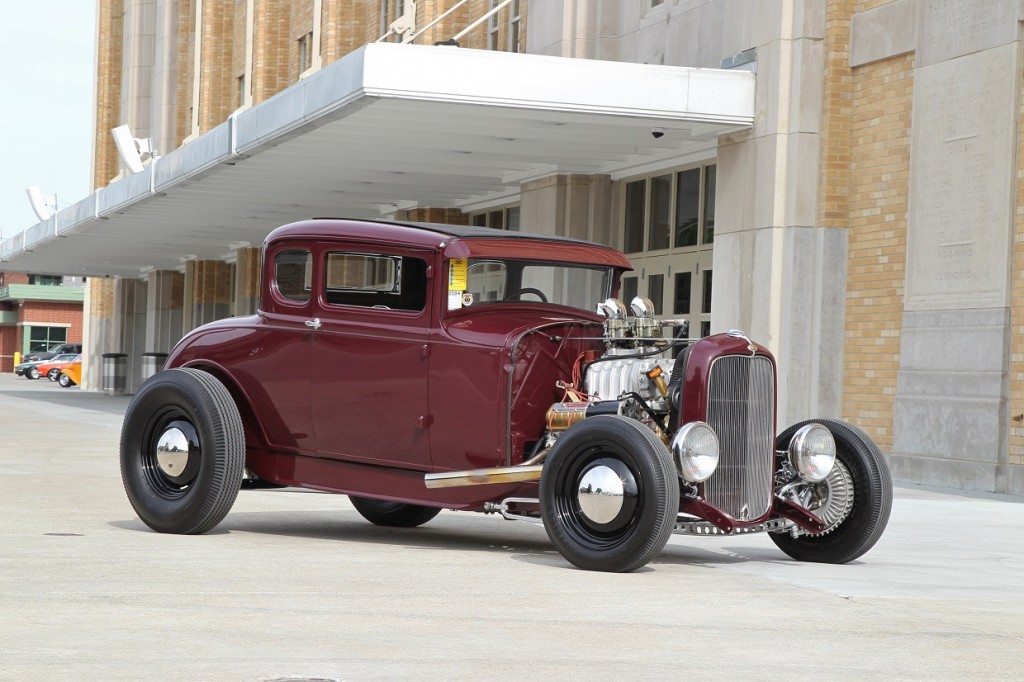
<point x="71" y="375"/>
<point x="417" y="367"/>
<point x="53" y="351"/>
<point x="52" y="368"/>
<point x="39" y="368"/>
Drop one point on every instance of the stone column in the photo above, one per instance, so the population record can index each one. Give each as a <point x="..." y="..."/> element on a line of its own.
<point x="247" y="280"/>
<point x="568" y="205"/>
<point x="137" y="67"/>
<point x="778" y="275"/>
<point x="99" y="331"/>
<point x="164" y="85"/>
<point x="164" y="293"/>
<point x="211" y="292"/>
<point x="951" y="422"/>
<point x="130" y="327"/>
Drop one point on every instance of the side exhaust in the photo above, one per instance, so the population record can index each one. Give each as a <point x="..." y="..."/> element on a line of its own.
<point x="456" y="479"/>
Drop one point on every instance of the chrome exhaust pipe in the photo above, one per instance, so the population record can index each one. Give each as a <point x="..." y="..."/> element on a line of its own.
<point x="456" y="479"/>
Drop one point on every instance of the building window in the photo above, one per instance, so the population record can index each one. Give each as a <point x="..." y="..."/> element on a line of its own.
<point x="43" y="338"/>
<point x="305" y="47"/>
<point x="710" y="182"/>
<point x="659" y="226"/>
<point x="634" y="233"/>
<point x="670" y="211"/>
<point x="506" y="218"/>
<point x="668" y="229"/>
<point x="492" y="28"/>
<point x="629" y="289"/>
<point x="240" y="84"/>
<point x="46" y="280"/>
<point x="385" y="16"/>
<point x="514" y="24"/>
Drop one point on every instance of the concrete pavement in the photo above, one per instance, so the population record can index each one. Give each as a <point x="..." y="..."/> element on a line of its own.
<point x="295" y="585"/>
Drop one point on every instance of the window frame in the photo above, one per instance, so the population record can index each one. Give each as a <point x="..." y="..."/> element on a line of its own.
<point x="646" y="204"/>
<point x="487" y="217"/>
<point x="381" y="299"/>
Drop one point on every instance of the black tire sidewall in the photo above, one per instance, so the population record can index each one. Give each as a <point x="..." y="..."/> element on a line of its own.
<point x="872" y="501"/>
<point x="658" y="491"/>
<point x="163" y="396"/>
<point x="393" y="514"/>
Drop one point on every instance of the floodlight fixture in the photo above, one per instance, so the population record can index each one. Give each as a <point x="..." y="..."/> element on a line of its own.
<point x="44" y="205"/>
<point x="134" y="151"/>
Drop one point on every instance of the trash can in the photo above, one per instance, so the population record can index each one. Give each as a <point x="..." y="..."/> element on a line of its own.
<point x="115" y="372"/>
<point x="152" y="363"/>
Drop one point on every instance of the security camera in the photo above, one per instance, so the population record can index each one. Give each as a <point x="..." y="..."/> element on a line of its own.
<point x="657" y="133"/>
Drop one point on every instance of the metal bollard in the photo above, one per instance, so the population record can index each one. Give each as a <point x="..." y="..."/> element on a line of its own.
<point x="115" y="371"/>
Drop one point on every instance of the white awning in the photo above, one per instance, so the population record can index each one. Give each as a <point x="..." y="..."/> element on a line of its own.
<point x="387" y="127"/>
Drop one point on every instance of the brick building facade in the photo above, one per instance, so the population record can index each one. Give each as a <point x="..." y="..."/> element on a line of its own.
<point x="37" y="315"/>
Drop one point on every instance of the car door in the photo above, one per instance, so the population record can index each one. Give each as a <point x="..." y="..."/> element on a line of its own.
<point x="272" y="359"/>
<point x="370" y="356"/>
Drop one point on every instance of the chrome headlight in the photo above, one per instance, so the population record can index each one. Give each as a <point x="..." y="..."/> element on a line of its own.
<point x="695" y="451"/>
<point x="812" y="452"/>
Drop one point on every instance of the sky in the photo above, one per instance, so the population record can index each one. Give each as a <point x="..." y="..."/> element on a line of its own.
<point x="47" y="90"/>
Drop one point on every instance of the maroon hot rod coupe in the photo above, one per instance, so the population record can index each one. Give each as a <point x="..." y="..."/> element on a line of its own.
<point x="416" y="367"/>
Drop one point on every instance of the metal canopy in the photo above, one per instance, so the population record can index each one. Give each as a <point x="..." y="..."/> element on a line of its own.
<point x="387" y="127"/>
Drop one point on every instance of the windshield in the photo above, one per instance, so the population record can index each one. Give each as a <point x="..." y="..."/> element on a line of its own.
<point x="486" y="281"/>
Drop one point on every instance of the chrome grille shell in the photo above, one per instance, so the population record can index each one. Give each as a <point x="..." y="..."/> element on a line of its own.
<point x="741" y="410"/>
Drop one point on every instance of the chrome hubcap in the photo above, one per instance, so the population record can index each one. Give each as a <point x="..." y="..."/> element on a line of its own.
<point x="601" y="494"/>
<point x="172" y="452"/>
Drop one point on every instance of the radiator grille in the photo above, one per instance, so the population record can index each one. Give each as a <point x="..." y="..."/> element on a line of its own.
<point x="741" y="410"/>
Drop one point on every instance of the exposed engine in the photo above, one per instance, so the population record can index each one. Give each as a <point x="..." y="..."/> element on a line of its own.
<point x="632" y="376"/>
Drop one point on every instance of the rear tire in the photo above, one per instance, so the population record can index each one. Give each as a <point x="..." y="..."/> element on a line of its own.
<point x="393" y="514"/>
<point x="854" y="525"/>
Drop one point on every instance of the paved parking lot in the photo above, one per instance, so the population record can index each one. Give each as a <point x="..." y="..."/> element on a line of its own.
<point x="295" y="585"/>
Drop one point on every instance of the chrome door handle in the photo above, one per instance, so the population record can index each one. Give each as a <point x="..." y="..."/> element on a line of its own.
<point x="314" y="323"/>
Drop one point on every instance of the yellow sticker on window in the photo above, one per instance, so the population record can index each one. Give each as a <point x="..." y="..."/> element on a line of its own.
<point x="457" y="268"/>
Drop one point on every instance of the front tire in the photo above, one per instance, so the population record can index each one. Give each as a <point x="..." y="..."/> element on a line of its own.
<point x="609" y="494"/>
<point x="32" y="373"/>
<point x="64" y="380"/>
<point x="855" y="500"/>
<point x="182" y="452"/>
<point x="392" y="514"/>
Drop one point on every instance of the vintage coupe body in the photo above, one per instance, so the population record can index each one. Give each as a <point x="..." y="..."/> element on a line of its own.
<point x="416" y="367"/>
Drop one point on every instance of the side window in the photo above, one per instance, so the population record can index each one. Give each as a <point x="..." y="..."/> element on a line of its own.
<point x="293" y="270"/>
<point x="376" y="281"/>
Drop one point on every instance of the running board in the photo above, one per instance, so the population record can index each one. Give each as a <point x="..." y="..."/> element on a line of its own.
<point x="456" y="479"/>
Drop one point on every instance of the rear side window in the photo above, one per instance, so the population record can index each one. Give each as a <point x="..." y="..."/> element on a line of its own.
<point x="293" y="272"/>
<point x="376" y="281"/>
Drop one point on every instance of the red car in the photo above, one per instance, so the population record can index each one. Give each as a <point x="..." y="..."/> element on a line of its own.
<point x="52" y="369"/>
<point x="416" y="367"/>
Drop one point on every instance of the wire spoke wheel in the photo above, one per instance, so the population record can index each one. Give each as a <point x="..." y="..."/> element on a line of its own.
<point x="854" y="500"/>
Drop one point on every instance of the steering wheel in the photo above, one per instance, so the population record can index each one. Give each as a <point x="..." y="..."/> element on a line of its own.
<point x="526" y="290"/>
